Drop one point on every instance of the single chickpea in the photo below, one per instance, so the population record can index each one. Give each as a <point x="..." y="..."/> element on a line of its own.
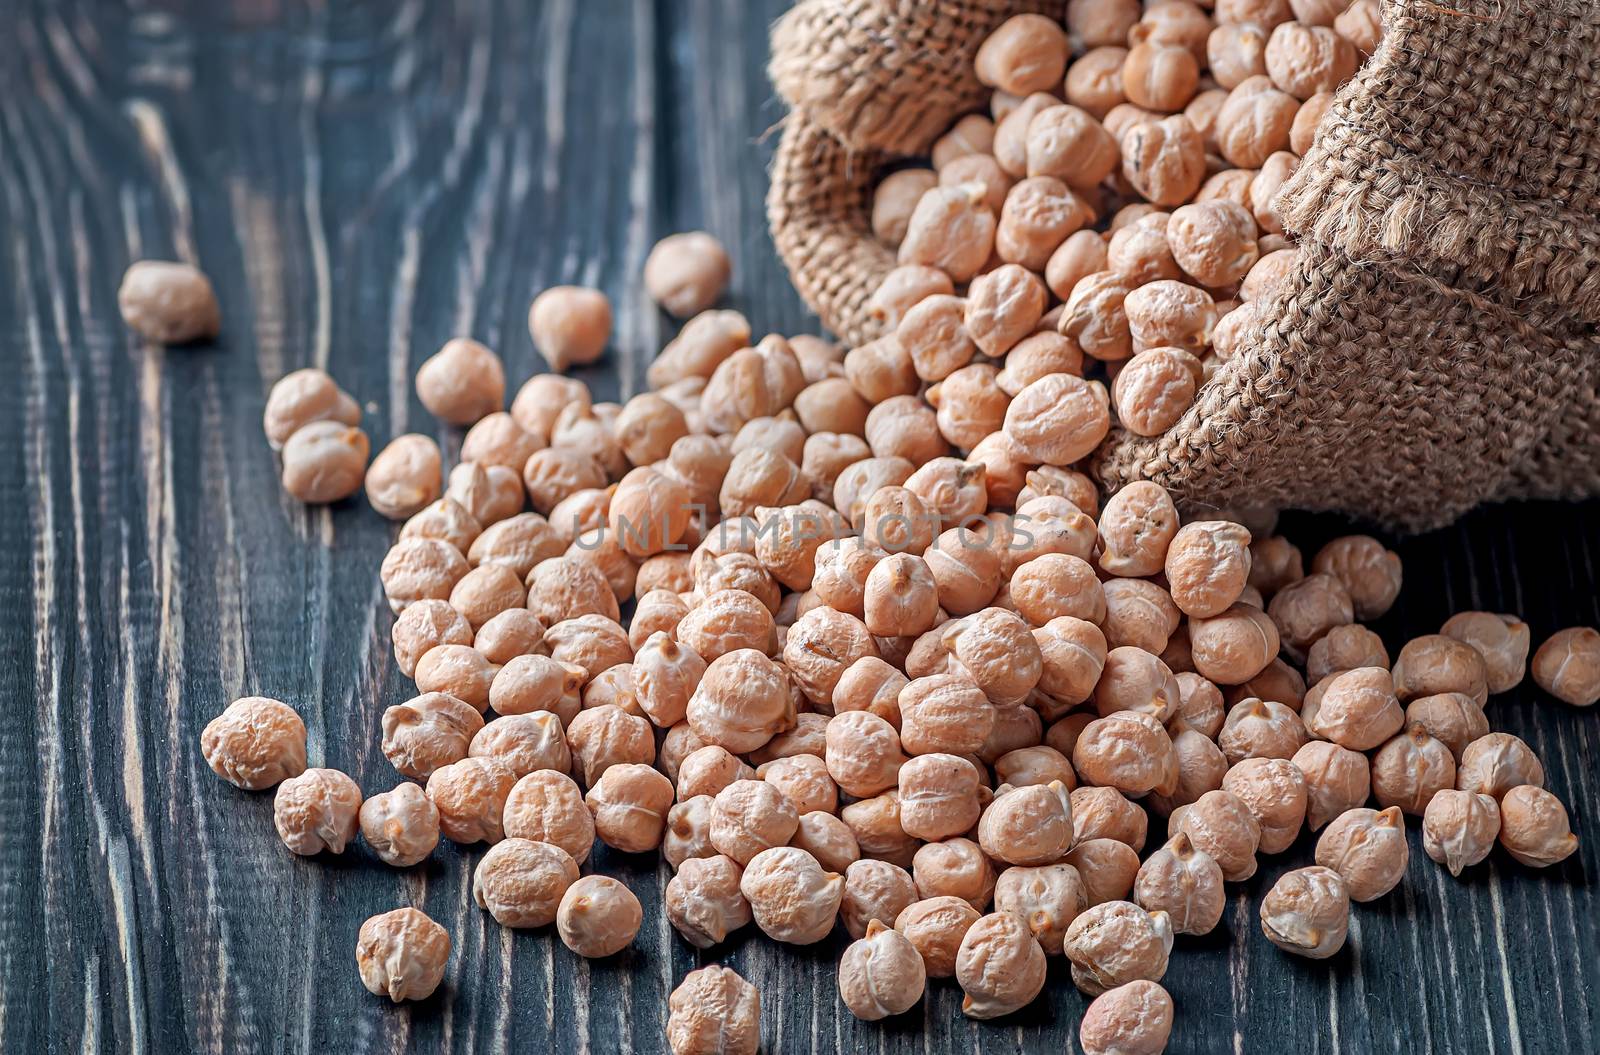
<point x="946" y="713"/>
<point x="602" y="737"/>
<point x="665" y="675"/>
<point x="951" y="229"/>
<point x="546" y="806"/>
<point x="1201" y="768"/>
<point x="1170" y="314"/>
<point x="999" y="966"/>
<point x="1139" y="614"/>
<point x="255" y="742"/>
<point x="804" y="781"/>
<point x="429" y="732"/>
<point x="594" y="642"/>
<point x="1048" y="898"/>
<point x="1128" y="751"/>
<point x="1136" y="530"/>
<point x="877" y="890"/>
<point x="1497" y="762"/>
<point x="1303" y="133"/>
<point x="1433" y="663"/>
<point x="504" y="637"/>
<point x="1452" y="718"/>
<point x="598" y="916"/>
<point x="1160" y="77"/>
<point x="707" y="770"/>
<point x="1207" y="565"/>
<point x="532" y="683"/>
<point x="1094" y="80"/>
<point x="497" y="439"/>
<point x="419" y="569"/>
<point x="1307" y="912"/>
<point x="1070" y="144"/>
<point x="521" y="882"/>
<point x="972" y="134"/>
<point x="685" y="273"/>
<point x="688" y="834"/>
<point x="301" y="397"/>
<point x="1368" y="849"/>
<point x="648" y="427"/>
<point x="1502" y="640"/>
<point x="1029" y="825"/>
<point x="742" y="701"/>
<point x="1058" y="419"/>
<point x="462" y="382"/>
<point x="518" y="542"/>
<point x="1002" y="307"/>
<point x="485" y="592"/>
<point x="864" y="755"/>
<point x="1220" y="824"/>
<point x="1533" y="827"/>
<point x="875" y="823"/>
<point x="1275" y="792"/>
<point x="1034" y="764"/>
<point x="402" y="954"/>
<point x="1164" y="160"/>
<point x="1072" y="655"/>
<point x="1344" y="648"/>
<point x="1459" y="828"/>
<point x="1107" y="868"/>
<point x="401" y="826"/>
<point x="938" y="796"/>
<point x="1275" y="562"/>
<point x="936" y="928"/>
<point x="1303" y="611"/>
<point x="1337" y="780"/>
<point x="173" y="303"/>
<point x="1410" y="769"/>
<point x="1115" y="943"/>
<point x="758" y="477"/>
<point x="1095" y="23"/>
<point x="714" y="1012"/>
<point x="1132" y="1019"/>
<point x="826" y="455"/>
<point x="749" y="816"/>
<point x="1304" y="60"/>
<point x="1047" y="524"/>
<point x="1027" y="53"/>
<point x="1214" y="241"/>
<point x="1185" y="883"/>
<point x="570" y="325"/>
<point x="525" y="742"/>
<point x="1104" y="813"/>
<point x="1095" y="319"/>
<point x="1255" y="121"/>
<point x="324" y="461"/>
<point x="1370" y="573"/>
<point x="1261" y="729"/>
<point x="954" y="868"/>
<point x="791" y="897"/>
<point x="1140" y="251"/>
<point x="900" y="597"/>
<point x="894" y="199"/>
<point x="703" y="343"/>
<point x="1567" y="666"/>
<point x="881" y="974"/>
<point x="316" y="811"/>
<point x="1236" y="52"/>
<point x="570" y="587"/>
<point x="703" y="901"/>
<point x="1154" y="389"/>
<point x="629" y="803"/>
<point x="1133" y="680"/>
<point x="1039" y="214"/>
<point x="470" y="796"/>
<point x="406" y="476"/>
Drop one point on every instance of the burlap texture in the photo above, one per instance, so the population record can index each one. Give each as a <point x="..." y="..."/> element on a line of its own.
<point x="1437" y="345"/>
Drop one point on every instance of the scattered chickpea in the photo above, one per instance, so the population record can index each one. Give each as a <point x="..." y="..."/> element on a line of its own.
<point x="402" y="954"/>
<point x="405" y="476"/>
<point x="445" y="521"/>
<point x="714" y="1012"/>
<point x="1304" y="60"/>
<point x="171" y="303"/>
<point x="703" y="901"/>
<point x="401" y="826"/>
<point x="1534" y="828"/>
<point x="1115" y="943"/>
<point x="828" y="839"/>
<point x="426" y="733"/>
<point x="1132" y="1019"/>
<point x="1567" y="666"/>
<point x="459" y="670"/>
<point x="792" y="898"/>
<point x="598" y="916"/>
<point x="316" y="811"/>
<point x="1058" y="419"/>
<point x="602" y="737"/>
<point x="1183" y="882"/>
<point x="686" y="273"/>
<point x="1368" y="849"/>
<point x="1410" y="769"/>
<point x="1307" y="912"/>
<point x="521" y="882"/>
<point x="324" y="462"/>
<point x="1165" y="159"/>
<point x="1459" y="828"/>
<point x="1337" y="780"/>
<point x="513" y="633"/>
<point x="1000" y="966"/>
<point x="546" y="806"/>
<point x="255" y="743"/>
<point x="1128" y="751"/>
<point x="301" y="397"/>
<point x="1220" y="824"/>
<point x="462" y="382"/>
<point x="629" y="802"/>
<point x="1107" y="868"/>
<point x="570" y="325"/>
<point x="881" y="974"/>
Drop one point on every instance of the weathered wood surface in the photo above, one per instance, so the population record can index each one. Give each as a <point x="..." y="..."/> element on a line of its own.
<point x="363" y="181"/>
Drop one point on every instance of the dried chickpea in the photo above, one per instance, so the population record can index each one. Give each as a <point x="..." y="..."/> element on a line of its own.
<point x="893" y="200"/>
<point x="629" y="803"/>
<point x="1028" y="825"/>
<point x="1140" y="251"/>
<point x="1433" y="663"/>
<point x="485" y="592"/>
<point x="742" y="701"/>
<point x="864" y="754"/>
<point x="1104" y="813"/>
<point x="1213" y="241"/>
<point x="1303" y="133"/>
<point x="594" y="642"/>
<point x="951" y="229"/>
<point x="1000" y="966"/>
<point x="749" y="816"/>
<point x="881" y="974"/>
<point x="405" y="476"/>
<point x="707" y="770"/>
<point x="1160" y="77"/>
<point x="1410" y="769"/>
<point x="1132" y="1019"/>
<point x="1533" y="827"/>
<point x="419" y="569"/>
<point x="1115" y="943"/>
<point x="173" y="303"/>
<point x="470" y="796"/>
<point x="1261" y="729"/>
<point x="946" y="713"/>
<point x="598" y="916"/>
<point x="877" y="890"/>
<point x="804" y="781"/>
<point x="703" y="901"/>
<point x="1027" y="53"/>
<point x="521" y="882"/>
<point x="1220" y="824"/>
<point x="1235" y="646"/>
<point x="462" y="382"/>
<point x="570" y="325"/>
<point x="570" y="587"/>
<point x="938" y="796"/>
<point x="255" y="743"/>
<point x="954" y="868"/>
<point x="555" y="473"/>
<point x="324" y="462"/>
<point x="1370" y="573"/>
<point x="1236" y="52"/>
<point x="1459" y="828"/>
<point x="1337" y="780"/>
<point x="1058" y="419"/>
<point x="1133" y="680"/>
<point x="1304" y="60"/>
<point x="1002" y="307"/>
<point x="1034" y="764"/>
<point x="1154" y="389"/>
<point x="317" y="810"/>
<point x="688" y="834"/>
<point x="1073" y="654"/>
<point x="525" y="742"/>
<point x="1185" y="883"/>
<point x="1071" y="145"/>
<point x="714" y="1012"/>
<point x="1137" y="527"/>
<point x="1140" y="614"/>
<point x="519" y="542"/>
<point x="1307" y="912"/>
<point x="512" y="633"/>
<point x="1010" y="145"/>
<point x="531" y="683"/>
<point x="497" y="439"/>
<point x="900" y="597"/>
<point x="1567" y="666"/>
<point x="758" y="477"/>
<point x="1496" y="763"/>
<point x="1128" y="751"/>
<point x="546" y="806"/>
<point x="1107" y="868"/>
<point x="300" y="397"/>
<point x="402" y="954"/>
<point x="685" y="273"/>
<point x="1095" y="319"/>
<point x="1368" y="849"/>
<point x="1039" y="213"/>
<point x="1273" y="174"/>
<point x="1094" y="80"/>
<point x="401" y="826"/>
<point x="602" y="737"/>
<point x="1344" y="648"/>
<point x="972" y="134"/>
<point x="1254" y="122"/>
<point x="429" y="732"/>
<point x="1502" y="640"/>
<point x="1199" y="705"/>
<point x="1303" y="611"/>
<point x="1201" y="768"/>
<point x="1275" y="792"/>
<point x="1170" y="314"/>
<point x="793" y="899"/>
<point x="1165" y="159"/>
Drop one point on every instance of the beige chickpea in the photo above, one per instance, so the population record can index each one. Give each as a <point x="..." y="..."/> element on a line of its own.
<point x="605" y="736"/>
<point x="1496" y="763"/>
<point x="1255" y="121"/>
<point x="870" y="684"/>
<point x="1095" y="318"/>
<point x="546" y="806"/>
<point x="946" y="713"/>
<point x="1275" y="562"/>
<point x="485" y="592"/>
<point x="1137" y="527"/>
<point x="532" y="683"/>
<point x="462" y="382"/>
<point x="504" y="637"/>
<point x="1058" y="419"/>
<point x="324" y="461"/>
<point x="255" y="742"/>
<point x="1170" y="314"/>
<point x="470" y="796"/>
<point x="518" y="542"/>
<point x="1028" y="825"/>
<point x="1258" y="728"/>
<point x="936" y="927"/>
<point x="1303" y="133"/>
<point x="758" y="477"/>
<point x="1344" y="648"/>
<point x="749" y="816"/>
<point x="173" y="303"/>
<point x="1094" y="23"/>
<point x="1132" y="1019"/>
<point x="743" y="700"/>
<point x="542" y="398"/>
<point x="972" y="134"/>
<point x="792" y="898"/>
<point x="679" y="742"/>
<point x="665" y="675"/>
<point x="979" y="168"/>
<point x="951" y="229"/>
<point x="1303" y="611"/>
<point x="1070" y="144"/>
<point x="1048" y="898"/>
<point x="570" y="325"/>
<point x="1055" y="585"/>
<point x="1154" y="389"/>
<point x="594" y="642"/>
<point x="1307" y="912"/>
<point x="581" y="511"/>
<point x="1273" y="174"/>
<point x="1000" y="966"/>
<point x="729" y="621"/>
<point x="629" y="803"/>
<point x="521" y="882"/>
<point x="1368" y="849"/>
<point x="688" y="834"/>
<point x="405" y="476"/>
<point x="1207" y="565"/>
<point x="1410" y="769"/>
<point x="555" y="473"/>
<point x="1128" y="751"/>
<point x="301" y="397"/>
<point x="1094" y="80"/>
<point x="895" y="520"/>
<point x="1073" y="655"/>
<point x="842" y="568"/>
<point x="880" y="368"/>
<point x="402" y="954"/>
<point x="401" y="826"/>
<point x="1164" y="160"/>
<point x="1567" y="666"/>
<point x="525" y="742"/>
<point x="1213" y="241"/>
<point x="704" y="343"/>
<point x="419" y="569"/>
<point x="1435" y="663"/>
<point x="1275" y="792"/>
<point x="1002" y="307"/>
<point x="804" y="781"/>
<point x="1370" y="573"/>
<point x="647" y="428"/>
<point x="1015" y="727"/>
<point x="429" y="732"/>
<point x="1235" y="646"/>
<point x="714" y="1012"/>
<point x="935" y="334"/>
<point x="1040" y="213"/>
<point x="1459" y="828"/>
<point x="1337" y="780"/>
<point x="1502" y="640"/>
<point x="900" y="597"/>
<point x="685" y="273"/>
<point x="598" y="916"/>
<point x="1104" y="813"/>
<point x="1236" y="52"/>
<point x="1201" y="768"/>
<point x="894" y="199"/>
<point x="317" y="810"/>
<point x="1034" y="764"/>
<point x="954" y="868"/>
<point x="876" y="890"/>
<point x="864" y="753"/>
<point x="1361" y="23"/>
<point x="1158" y="76"/>
<point x="1185" y="883"/>
<point x="1141" y="252"/>
<point x="881" y="974"/>
<point x="1534" y="827"/>
<point x="1107" y="868"/>
<point x="1133" y="680"/>
<point x="1115" y="943"/>
<point x="497" y="439"/>
<point x="1304" y="60"/>
<point x="938" y="796"/>
<point x="1219" y="823"/>
<point x="1027" y="53"/>
<point x="1010" y="145"/>
<point x="1453" y="718"/>
<point x="826" y="455"/>
<point x="1358" y="709"/>
<point x="707" y="770"/>
<point x="703" y="901"/>
<point x="966" y="568"/>
<point x="1199" y="705"/>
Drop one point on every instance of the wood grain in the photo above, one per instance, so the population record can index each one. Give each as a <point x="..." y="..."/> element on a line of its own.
<point x="363" y="181"/>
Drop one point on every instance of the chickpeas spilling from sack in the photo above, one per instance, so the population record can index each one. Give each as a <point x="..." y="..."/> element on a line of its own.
<point x="849" y="641"/>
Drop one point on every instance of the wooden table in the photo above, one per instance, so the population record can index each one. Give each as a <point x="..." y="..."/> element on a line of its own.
<point x="363" y="181"/>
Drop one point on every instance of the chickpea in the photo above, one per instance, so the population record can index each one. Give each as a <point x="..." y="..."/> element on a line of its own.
<point x="173" y="303"/>
<point x="742" y="701"/>
<point x="504" y="637"/>
<point x="900" y="597"/>
<point x="420" y="569"/>
<point x="1303" y="133"/>
<point x="1185" y="883"/>
<point x="1107" y="868"/>
<point x="1410" y="769"/>
<point x="462" y="382"/>
<point x="1095" y="319"/>
<point x="1201" y="768"/>
<point x="521" y="882"/>
<point x="1027" y="53"/>
<point x="255" y="743"/>
<point x="402" y="954"/>
<point x="1337" y="780"/>
<point x="557" y="473"/>
<point x="1304" y="60"/>
<point x="301" y="397"/>
<point x="547" y="807"/>
<point x="429" y="732"/>
<point x="598" y="916"/>
<point x="972" y="134"/>
<point x="1502" y="640"/>
<point x="1141" y="252"/>
<point x="1368" y="850"/>
<point x="1136" y="530"/>
<point x="1115" y="943"/>
<point x="629" y="803"/>
<point x="1094" y="80"/>
<point x="791" y="897"/>
<point x="1165" y="159"/>
<point x="1128" y="751"/>
<point x="470" y="796"/>
<point x="518" y="542"/>
<point x="714" y="1012"/>
<point x="1133" y="680"/>
<point x="1058" y="419"/>
<point x="1040" y="213"/>
<point x="401" y="826"/>
<point x="703" y="901"/>
<point x="459" y="670"/>
<point x="881" y="974"/>
<point x="950" y="229"/>
<point x="938" y="796"/>
<point x="1028" y="825"/>
<point x="1170" y="314"/>
<point x="685" y="273"/>
<point x="1154" y="389"/>
<point x="1069" y="144"/>
<point x="688" y="834"/>
<point x="954" y="868"/>
<point x="569" y="587"/>
<point x="485" y="592"/>
<point x="1255" y="121"/>
<point x="316" y="810"/>
<point x="1219" y="823"/>
<point x="1496" y="763"/>
<point x="707" y="770"/>
<point x="1344" y="648"/>
<point x="894" y="199"/>
<point x="405" y="476"/>
<point x="1533" y="827"/>
<point x="826" y="456"/>
<point x="497" y="439"/>
<point x="324" y="461"/>
<point x="1034" y="764"/>
<point x="1159" y="77"/>
<point x="1000" y="966"/>
<point x="525" y="742"/>
<point x="527" y="684"/>
<point x="946" y="713"/>
<point x="1261" y="729"/>
<point x="1199" y="705"/>
<point x="1433" y="663"/>
<point x="1307" y="912"/>
<point x="1303" y="611"/>
<point x="1073" y="655"/>
<point x="1567" y="666"/>
<point x="1275" y="791"/>
<point x="1459" y="828"/>
<point x="1104" y="813"/>
<point x="1054" y="585"/>
<point x="1132" y="1019"/>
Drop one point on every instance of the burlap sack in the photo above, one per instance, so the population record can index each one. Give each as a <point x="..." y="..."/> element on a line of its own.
<point x="1437" y="346"/>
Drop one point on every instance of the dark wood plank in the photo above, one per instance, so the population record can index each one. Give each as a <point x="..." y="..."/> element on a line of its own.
<point x="363" y="181"/>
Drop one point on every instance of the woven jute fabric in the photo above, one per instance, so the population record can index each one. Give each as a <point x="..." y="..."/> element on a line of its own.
<point x="1438" y="344"/>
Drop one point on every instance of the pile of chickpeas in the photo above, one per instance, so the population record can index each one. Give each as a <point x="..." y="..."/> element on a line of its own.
<point x="1100" y="241"/>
